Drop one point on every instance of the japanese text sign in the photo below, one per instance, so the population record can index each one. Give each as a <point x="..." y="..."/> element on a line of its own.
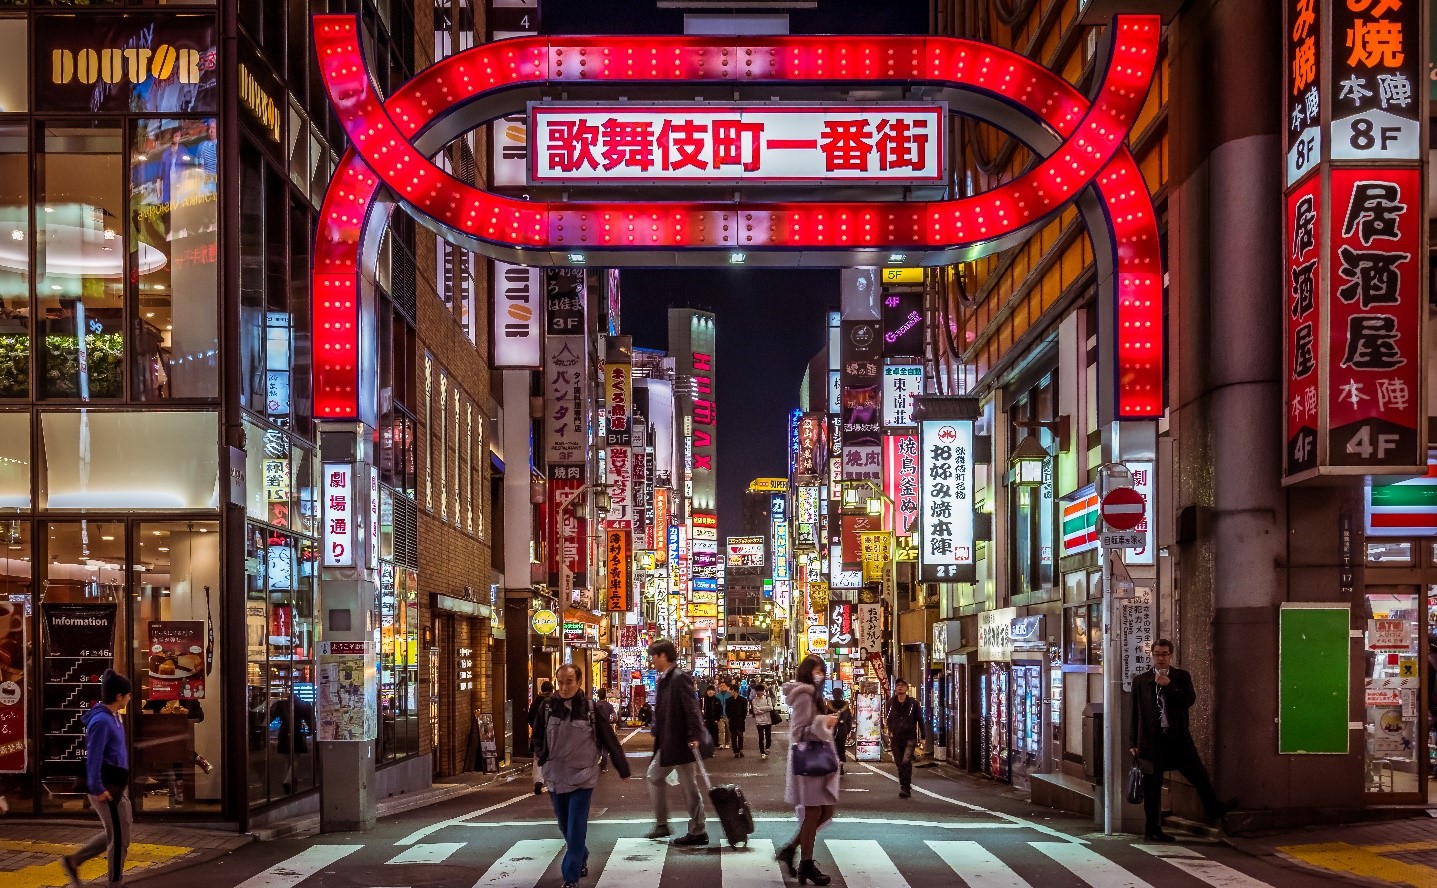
<point x="337" y="511"/>
<point x="619" y="594"/>
<point x="1376" y="84"/>
<point x="1303" y="98"/>
<point x="1304" y="323"/>
<point x="902" y="383"/>
<point x="901" y="467"/>
<point x="946" y="521"/>
<point x="724" y="143"/>
<point x="841" y="630"/>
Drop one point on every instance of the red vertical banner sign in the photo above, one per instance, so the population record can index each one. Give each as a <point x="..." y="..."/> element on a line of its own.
<point x="900" y="481"/>
<point x="566" y="531"/>
<point x="1375" y="317"/>
<point x="619" y="589"/>
<point x="1354" y="271"/>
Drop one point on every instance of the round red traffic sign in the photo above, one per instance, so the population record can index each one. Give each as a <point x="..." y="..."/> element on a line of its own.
<point x="1123" y="509"/>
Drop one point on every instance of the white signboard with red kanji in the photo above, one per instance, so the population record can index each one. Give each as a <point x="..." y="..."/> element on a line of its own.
<point x="337" y="511"/>
<point x="727" y="143"/>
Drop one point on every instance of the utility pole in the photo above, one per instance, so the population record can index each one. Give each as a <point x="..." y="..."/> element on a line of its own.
<point x="1110" y="477"/>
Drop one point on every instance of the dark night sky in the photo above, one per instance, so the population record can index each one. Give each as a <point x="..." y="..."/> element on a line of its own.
<point x="770" y="322"/>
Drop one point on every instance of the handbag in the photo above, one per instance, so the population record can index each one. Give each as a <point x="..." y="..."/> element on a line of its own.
<point x="1133" y="786"/>
<point x="775" y="717"/>
<point x="813" y="758"/>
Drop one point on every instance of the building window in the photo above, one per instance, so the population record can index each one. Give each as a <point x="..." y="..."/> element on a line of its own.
<point x="1032" y="519"/>
<point x="80" y="251"/>
<point x="129" y="460"/>
<point x="14" y="260"/>
<point x="15" y="460"/>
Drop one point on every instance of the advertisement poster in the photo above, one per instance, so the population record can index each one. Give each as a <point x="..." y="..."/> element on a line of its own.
<point x="868" y="727"/>
<point x="176" y="667"/>
<point x="14" y="677"/>
<point x="78" y="648"/>
<point x="346" y="691"/>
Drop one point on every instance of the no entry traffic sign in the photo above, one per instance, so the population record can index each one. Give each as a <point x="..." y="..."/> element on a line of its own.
<point x="1123" y="509"/>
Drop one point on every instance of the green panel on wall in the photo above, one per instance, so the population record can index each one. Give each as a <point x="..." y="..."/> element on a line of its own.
<point x="1313" y="674"/>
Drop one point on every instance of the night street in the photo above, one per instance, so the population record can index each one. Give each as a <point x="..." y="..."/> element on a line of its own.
<point x="505" y="836"/>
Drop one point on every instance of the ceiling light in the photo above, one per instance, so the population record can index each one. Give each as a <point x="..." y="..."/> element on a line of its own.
<point x="17" y="234"/>
<point x="56" y="287"/>
<point x="897" y="258"/>
<point x="103" y="538"/>
<point x="576" y="258"/>
<point x="164" y="548"/>
<point x="149" y="314"/>
<point x="737" y="258"/>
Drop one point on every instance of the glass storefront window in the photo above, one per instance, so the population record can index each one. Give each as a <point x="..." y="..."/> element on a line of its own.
<point x="17" y="640"/>
<point x="397" y="640"/>
<point x="178" y="737"/>
<point x="280" y="482"/>
<point x="130" y="460"/>
<point x="14" y="258"/>
<point x="1392" y="695"/>
<point x="83" y="620"/>
<point x="14" y="460"/>
<point x="79" y="249"/>
<point x="174" y="219"/>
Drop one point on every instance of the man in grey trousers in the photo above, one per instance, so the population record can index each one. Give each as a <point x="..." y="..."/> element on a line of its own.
<point x="107" y="777"/>
<point x="678" y="727"/>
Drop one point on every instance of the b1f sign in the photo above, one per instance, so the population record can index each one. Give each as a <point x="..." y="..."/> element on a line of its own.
<point x="712" y="143"/>
<point x="946" y="508"/>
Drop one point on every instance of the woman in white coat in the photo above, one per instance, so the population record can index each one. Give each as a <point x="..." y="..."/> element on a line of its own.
<point x="816" y="797"/>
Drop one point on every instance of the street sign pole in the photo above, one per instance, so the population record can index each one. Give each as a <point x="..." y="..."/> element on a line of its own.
<point x="1111" y="477"/>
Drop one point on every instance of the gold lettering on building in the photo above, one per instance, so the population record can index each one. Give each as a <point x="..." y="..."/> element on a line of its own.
<point x="259" y="103"/>
<point x="136" y="65"/>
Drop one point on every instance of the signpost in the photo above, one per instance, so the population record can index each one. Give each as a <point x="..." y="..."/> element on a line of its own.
<point x="1122" y="509"/>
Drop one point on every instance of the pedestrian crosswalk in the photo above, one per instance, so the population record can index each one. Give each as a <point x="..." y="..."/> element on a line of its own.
<point x="884" y="862"/>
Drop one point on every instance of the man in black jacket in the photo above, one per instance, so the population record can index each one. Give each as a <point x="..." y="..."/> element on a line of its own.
<point x="1159" y="738"/>
<point x="546" y="690"/>
<point x="677" y="731"/>
<point x="903" y="720"/>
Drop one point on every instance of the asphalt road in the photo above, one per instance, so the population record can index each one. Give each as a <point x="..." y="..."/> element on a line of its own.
<point x="951" y="832"/>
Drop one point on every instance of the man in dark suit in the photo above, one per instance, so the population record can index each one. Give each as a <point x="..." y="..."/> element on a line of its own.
<point x="678" y="728"/>
<point x="1158" y="736"/>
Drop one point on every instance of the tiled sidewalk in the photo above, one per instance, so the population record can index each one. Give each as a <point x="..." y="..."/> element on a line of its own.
<point x="30" y="851"/>
<point x="1392" y="852"/>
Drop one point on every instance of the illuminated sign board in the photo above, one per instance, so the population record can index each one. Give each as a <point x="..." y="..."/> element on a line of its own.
<point x="337" y="512"/>
<point x="138" y="62"/>
<point x="946" y="507"/>
<point x="768" y="485"/>
<point x="619" y="558"/>
<point x="901" y="471"/>
<point x="720" y="143"/>
<point x="518" y="316"/>
<point x="902" y="384"/>
<point x="746" y="551"/>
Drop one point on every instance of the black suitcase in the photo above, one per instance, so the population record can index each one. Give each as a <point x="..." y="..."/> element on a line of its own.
<point x="733" y="810"/>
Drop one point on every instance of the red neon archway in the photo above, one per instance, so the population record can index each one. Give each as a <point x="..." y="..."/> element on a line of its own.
<point x="383" y="136"/>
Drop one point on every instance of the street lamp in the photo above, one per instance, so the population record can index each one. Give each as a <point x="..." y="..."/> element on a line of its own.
<point x="1026" y="465"/>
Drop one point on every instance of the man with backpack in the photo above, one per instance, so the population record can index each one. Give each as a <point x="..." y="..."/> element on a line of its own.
<point x="904" y="719"/>
<point x="604" y="711"/>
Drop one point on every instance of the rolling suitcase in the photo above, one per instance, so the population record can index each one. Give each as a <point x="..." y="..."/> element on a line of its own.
<point x="732" y="808"/>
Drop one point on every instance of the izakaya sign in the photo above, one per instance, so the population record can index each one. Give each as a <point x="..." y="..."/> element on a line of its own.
<point x="1080" y="145"/>
<point x="947" y="505"/>
<point x="1355" y="273"/>
<point x="727" y="144"/>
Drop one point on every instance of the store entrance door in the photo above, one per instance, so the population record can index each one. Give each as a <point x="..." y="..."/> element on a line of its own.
<point x="1396" y="741"/>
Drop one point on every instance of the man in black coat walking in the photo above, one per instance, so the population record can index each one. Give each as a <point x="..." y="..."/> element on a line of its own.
<point x="903" y="720"/>
<point x="678" y="729"/>
<point x="1159" y="738"/>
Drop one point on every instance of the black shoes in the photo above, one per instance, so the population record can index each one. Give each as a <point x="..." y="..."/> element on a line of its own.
<point x="785" y="854"/>
<point x="1158" y="836"/>
<point x="692" y="839"/>
<point x="660" y="831"/>
<point x="538" y="788"/>
<point x="72" y="874"/>
<point x="808" y="872"/>
<point x="903" y="794"/>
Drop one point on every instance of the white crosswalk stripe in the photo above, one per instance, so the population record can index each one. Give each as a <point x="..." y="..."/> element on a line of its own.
<point x="430" y="852"/>
<point x="523" y="866"/>
<point x="751" y="867"/>
<point x="299" y="867"/>
<point x="977" y="866"/>
<point x="1216" y="874"/>
<point x="633" y="862"/>
<point x="1090" y="866"/>
<point x="864" y="862"/>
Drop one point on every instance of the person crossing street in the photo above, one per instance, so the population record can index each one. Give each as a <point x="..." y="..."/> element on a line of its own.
<point x="678" y="731"/>
<point x="903" y="720"/>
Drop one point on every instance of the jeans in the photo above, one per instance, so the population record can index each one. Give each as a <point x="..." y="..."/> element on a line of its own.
<point x="903" y="749"/>
<point x="116" y="817"/>
<point x="735" y="733"/>
<point x="571" y="809"/>
<point x="659" y="792"/>
<point x="765" y="738"/>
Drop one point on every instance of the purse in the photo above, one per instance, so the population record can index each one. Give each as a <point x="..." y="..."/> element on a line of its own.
<point x="1133" y="786"/>
<point x="813" y="758"/>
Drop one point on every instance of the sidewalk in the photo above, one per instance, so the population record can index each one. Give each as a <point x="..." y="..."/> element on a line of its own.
<point x="30" y="849"/>
<point x="1390" y="852"/>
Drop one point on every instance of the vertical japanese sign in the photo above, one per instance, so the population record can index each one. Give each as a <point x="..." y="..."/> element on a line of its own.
<point x="841" y="631"/>
<point x="778" y="510"/>
<point x="518" y="315"/>
<point x="619" y="589"/>
<point x="812" y="455"/>
<point x="1354" y="272"/>
<point x="862" y="445"/>
<point x="946" y="525"/>
<point x="565" y="429"/>
<point x="870" y="627"/>
<point x="902" y="383"/>
<point x="338" y="514"/>
<point x="874" y="546"/>
<point x="901" y="467"/>
<point x="903" y="322"/>
<point x="567" y="531"/>
<point x="661" y="526"/>
<point x="805" y="535"/>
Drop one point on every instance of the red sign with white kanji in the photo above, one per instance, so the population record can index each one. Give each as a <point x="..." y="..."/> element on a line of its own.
<point x="1374" y="309"/>
<point x="724" y="143"/>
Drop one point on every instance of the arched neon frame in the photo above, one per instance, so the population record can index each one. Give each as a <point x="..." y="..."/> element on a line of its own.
<point x="1081" y="143"/>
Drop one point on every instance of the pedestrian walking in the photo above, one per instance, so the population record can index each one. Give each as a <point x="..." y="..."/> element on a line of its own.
<point x="546" y="689"/>
<point x="843" y="729"/>
<point x="817" y="797"/>
<point x="721" y="737"/>
<point x="107" y="780"/>
<point x="762" y="704"/>
<point x="903" y="720"/>
<point x="1159" y="738"/>
<point x="736" y="711"/>
<point x="678" y="732"/>
<point x="713" y="710"/>
<point x="605" y="712"/>
<point x="569" y="735"/>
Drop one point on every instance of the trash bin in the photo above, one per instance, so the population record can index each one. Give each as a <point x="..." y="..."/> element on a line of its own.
<point x="1093" y="742"/>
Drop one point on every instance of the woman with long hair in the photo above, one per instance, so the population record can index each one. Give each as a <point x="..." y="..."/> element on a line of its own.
<point x="816" y="797"/>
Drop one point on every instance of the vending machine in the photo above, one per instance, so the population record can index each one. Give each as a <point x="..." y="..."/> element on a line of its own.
<point x="1029" y="671"/>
